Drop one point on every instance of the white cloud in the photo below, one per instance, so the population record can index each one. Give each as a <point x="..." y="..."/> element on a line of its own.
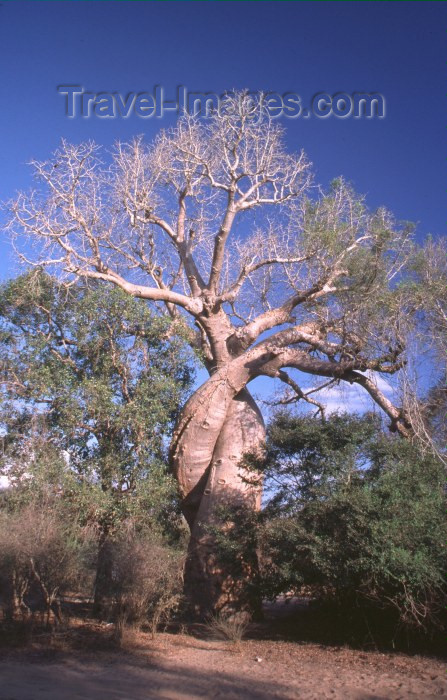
<point x="345" y="397"/>
<point x="352" y="398"/>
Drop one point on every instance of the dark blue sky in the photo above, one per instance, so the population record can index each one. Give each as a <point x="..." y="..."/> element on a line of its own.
<point x="394" y="48"/>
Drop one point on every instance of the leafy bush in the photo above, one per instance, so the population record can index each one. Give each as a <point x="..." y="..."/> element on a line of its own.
<point x="359" y="517"/>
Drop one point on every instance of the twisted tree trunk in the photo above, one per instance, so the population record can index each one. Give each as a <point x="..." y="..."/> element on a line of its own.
<point x="217" y="427"/>
<point x="165" y="201"/>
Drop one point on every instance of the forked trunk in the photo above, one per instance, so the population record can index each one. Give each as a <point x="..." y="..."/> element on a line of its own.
<point x="216" y="429"/>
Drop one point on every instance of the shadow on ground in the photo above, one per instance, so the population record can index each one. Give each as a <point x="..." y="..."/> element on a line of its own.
<point x="125" y="680"/>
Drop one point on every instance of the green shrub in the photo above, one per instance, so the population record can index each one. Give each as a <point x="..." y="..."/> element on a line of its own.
<point x="359" y="517"/>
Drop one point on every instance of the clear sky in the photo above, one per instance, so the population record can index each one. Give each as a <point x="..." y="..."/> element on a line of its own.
<point x="398" y="49"/>
<point x="395" y="48"/>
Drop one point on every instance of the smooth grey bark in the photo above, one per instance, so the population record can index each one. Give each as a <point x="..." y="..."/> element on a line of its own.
<point x="224" y="484"/>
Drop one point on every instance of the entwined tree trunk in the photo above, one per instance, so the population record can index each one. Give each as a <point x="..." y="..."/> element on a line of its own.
<point x="311" y="288"/>
<point x="215" y="430"/>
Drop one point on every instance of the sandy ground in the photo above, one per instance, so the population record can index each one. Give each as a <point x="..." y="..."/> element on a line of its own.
<point x="184" y="667"/>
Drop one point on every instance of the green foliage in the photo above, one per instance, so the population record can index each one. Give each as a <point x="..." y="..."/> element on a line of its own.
<point x="340" y="218"/>
<point x="92" y="382"/>
<point x="368" y="250"/>
<point x="313" y="456"/>
<point x="356" y="515"/>
<point x="427" y="287"/>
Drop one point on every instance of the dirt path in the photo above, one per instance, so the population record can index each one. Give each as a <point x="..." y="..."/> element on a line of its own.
<point x="180" y="667"/>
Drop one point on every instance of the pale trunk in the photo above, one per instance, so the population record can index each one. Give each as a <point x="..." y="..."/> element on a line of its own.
<point x="216" y="429"/>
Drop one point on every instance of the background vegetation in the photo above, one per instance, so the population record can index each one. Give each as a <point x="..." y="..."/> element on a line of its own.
<point x="92" y="380"/>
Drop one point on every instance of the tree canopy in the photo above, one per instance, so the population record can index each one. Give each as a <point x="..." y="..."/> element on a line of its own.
<point x="95" y="379"/>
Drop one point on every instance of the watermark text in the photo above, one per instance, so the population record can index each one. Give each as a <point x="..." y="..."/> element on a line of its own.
<point x="83" y="103"/>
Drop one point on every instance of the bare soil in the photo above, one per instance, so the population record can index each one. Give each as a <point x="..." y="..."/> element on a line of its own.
<point x="82" y="663"/>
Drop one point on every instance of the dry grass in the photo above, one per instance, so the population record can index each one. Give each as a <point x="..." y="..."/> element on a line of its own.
<point x="227" y="627"/>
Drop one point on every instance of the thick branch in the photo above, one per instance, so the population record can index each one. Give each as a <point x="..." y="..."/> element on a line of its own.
<point x="193" y="306"/>
<point x="398" y="421"/>
<point x="219" y="244"/>
<point x="244" y="337"/>
<point x="346" y="370"/>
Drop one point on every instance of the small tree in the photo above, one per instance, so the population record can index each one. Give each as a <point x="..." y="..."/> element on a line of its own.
<point x="219" y="223"/>
<point x="92" y="377"/>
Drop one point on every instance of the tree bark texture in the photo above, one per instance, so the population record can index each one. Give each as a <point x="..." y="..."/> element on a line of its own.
<point x="216" y="428"/>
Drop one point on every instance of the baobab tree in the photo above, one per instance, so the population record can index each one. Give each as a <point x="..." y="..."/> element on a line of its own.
<point x="222" y="228"/>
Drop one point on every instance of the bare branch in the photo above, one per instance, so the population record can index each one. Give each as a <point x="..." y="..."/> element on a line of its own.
<point x="298" y="394"/>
